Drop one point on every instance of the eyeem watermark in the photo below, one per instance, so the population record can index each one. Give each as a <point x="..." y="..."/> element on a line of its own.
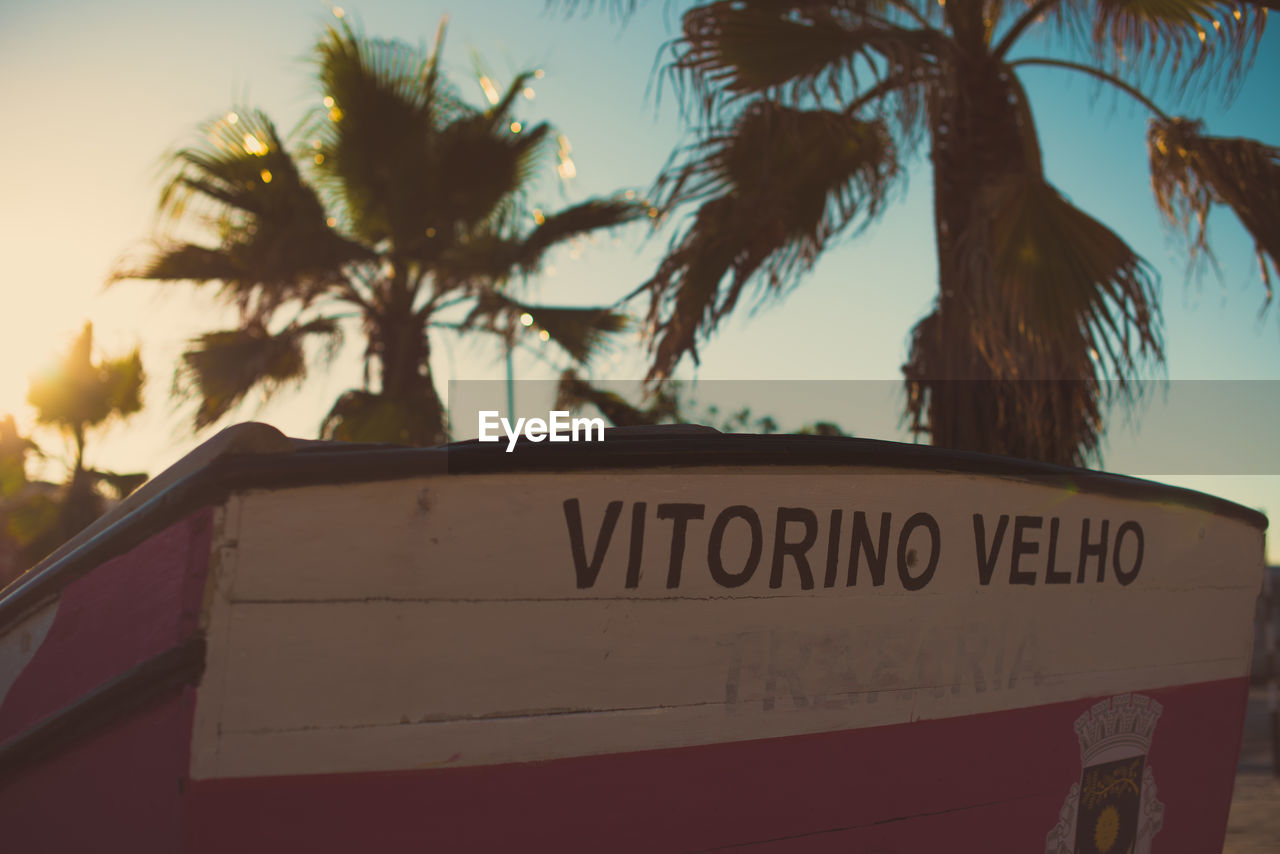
<point x="558" y="427"/>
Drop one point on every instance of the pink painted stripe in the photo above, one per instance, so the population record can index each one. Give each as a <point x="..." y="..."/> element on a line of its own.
<point x="987" y="782"/>
<point x="131" y="608"/>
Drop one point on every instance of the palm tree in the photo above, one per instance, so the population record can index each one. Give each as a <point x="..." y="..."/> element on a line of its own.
<point x="1044" y="316"/>
<point x="400" y="207"/>
<point x="76" y="396"/>
<point x="78" y="393"/>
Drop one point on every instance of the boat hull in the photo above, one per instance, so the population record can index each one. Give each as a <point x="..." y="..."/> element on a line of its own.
<point x="780" y="658"/>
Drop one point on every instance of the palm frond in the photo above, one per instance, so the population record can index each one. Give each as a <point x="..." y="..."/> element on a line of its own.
<point x="182" y="262"/>
<point x="579" y="220"/>
<point x="383" y="79"/>
<point x="1192" y="172"/>
<point x="406" y="159"/>
<point x="220" y="368"/>
<point x="487" y="167"/>
<point x="773" y="191"/>
<point x="383" y="104"/>
<point x="499" y="113"/>
<point x="1171" y="42"/>
<point x="800" y="49"/>
<point x="580" y="332"/>
<point x="1071" y="287"/>
<point x="276" y="243"/>
<point x="1063" y="318"/>
<point x="494" y="254"/>
<point x="238" y="169"/>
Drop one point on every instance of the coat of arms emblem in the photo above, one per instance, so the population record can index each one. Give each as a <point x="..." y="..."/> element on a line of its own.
<point x="1113" y="808"/>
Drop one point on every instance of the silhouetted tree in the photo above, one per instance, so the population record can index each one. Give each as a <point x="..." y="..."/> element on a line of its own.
<point x="79" y="393"/>
<point x="810" y="108"/>
<point x="399" y="205"/>
<point x="76" y="396"/>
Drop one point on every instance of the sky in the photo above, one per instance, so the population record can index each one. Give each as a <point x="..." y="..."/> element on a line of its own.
<point x="94" y="95"/>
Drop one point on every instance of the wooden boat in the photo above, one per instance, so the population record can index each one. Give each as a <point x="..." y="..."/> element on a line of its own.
<point x="671" y="641"/>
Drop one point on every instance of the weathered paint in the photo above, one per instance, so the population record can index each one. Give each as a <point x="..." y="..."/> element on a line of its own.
<point x="119" y="776"/>
<point x="994" y="782"/>
<point x="20" y="642"/>
<point x="445" y="621"/>
<point x="129" y="609"/>
<point x="781" y="659"/>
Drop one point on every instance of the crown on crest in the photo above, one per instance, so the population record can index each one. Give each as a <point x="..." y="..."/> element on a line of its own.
<point x="1126" y="720"/>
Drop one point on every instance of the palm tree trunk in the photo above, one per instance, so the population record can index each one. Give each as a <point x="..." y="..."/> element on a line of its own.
<point x="976" y="139"/>
<point x="404" y="356"/>
<point x="77" y="432"/>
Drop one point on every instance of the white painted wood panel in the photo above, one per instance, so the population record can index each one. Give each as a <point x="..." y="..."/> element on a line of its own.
<point x="440" y="620"/>
<point x="475" y="536"/>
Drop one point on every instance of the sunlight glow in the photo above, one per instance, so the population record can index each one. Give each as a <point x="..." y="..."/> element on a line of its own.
<point x="328" y="102"/>
<point x="526" y="319"/>
<point x="566" y="169"/>
<point x="232" y="118"/>
<point x="1200" y="33"/>
<point x="1237" y="14"/>
<point x="331" y="221"/>
<point x="335" y="114"/>
<point x="265" y="174"/>
<point x="544" y="335"/>
<point x="516" y="127"/>
<point x="538" y="216"/>
<point x="490" y="91"/>
<point x="528" y="92"/>
<point x="539" y="74"/>
<point x="319" y="159"/>
<point x="254" y="146"/>
<point x="339" y="12"/>
<point x="431" y="232"/>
